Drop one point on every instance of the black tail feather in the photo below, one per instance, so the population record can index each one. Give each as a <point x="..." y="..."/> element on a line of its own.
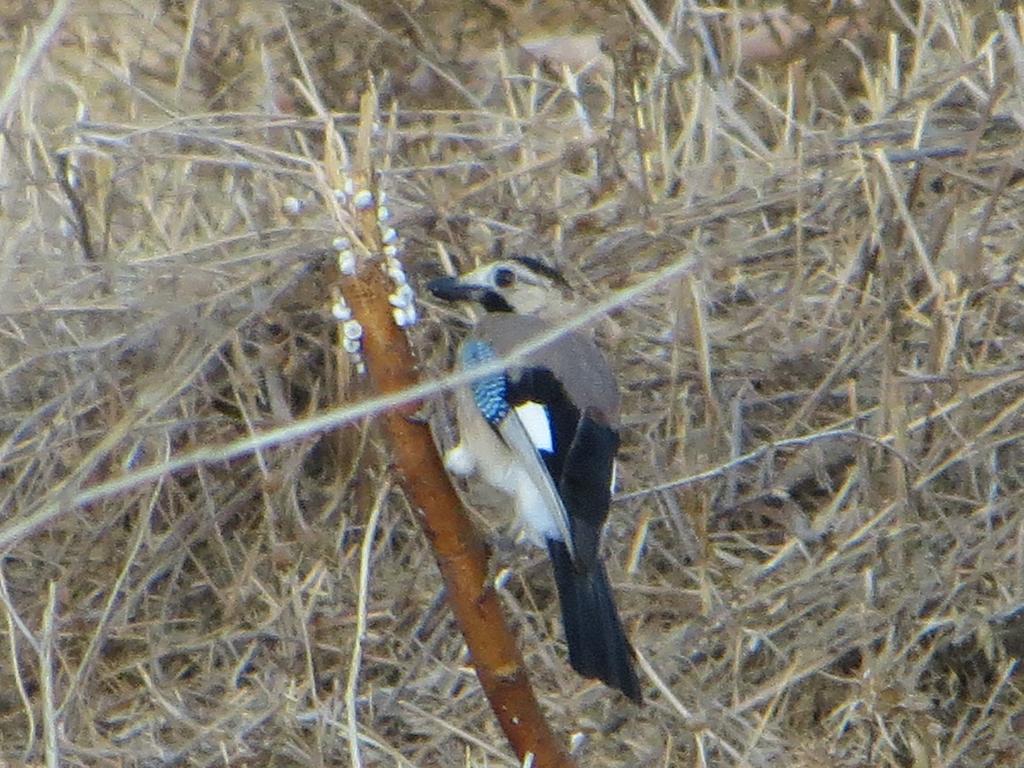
<point x="597" y="644"/>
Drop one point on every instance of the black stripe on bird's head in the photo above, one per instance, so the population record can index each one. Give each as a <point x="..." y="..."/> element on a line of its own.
<point x="519" y="284"/>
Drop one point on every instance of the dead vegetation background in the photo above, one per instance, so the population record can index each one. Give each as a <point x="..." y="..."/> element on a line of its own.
<point x="818" y="544"/>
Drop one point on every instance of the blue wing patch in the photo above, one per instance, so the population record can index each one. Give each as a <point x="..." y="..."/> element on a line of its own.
<point x="491" y="392"/>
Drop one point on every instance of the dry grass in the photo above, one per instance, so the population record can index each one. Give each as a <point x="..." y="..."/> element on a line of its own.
<point x="818" y="546"/>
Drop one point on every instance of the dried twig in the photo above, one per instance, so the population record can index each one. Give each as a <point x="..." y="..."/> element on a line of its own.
<point x="461" y="554"/>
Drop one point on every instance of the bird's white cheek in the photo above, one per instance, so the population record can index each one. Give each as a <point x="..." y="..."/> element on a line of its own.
<point x="534" y="417"/>
<point x="459" y="461"/>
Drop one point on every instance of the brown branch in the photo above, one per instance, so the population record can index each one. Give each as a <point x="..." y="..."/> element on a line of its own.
<point x="461" y="554"/>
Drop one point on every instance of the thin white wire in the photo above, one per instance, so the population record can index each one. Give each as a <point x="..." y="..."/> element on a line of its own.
<point x="49" y="509"/>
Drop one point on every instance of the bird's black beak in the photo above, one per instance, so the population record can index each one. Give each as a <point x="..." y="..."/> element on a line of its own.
<point x="451" y="289"/>
<point x="454" y="290"/>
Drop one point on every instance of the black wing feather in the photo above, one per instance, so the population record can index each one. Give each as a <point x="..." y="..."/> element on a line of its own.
<point x="539" y="385"/>
<point x="585" y="485"/>
<point x="581" y="465"/>
<point x="582" y="459"/>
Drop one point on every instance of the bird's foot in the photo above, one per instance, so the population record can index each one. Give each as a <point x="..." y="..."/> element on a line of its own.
<point x="459" y="461"/>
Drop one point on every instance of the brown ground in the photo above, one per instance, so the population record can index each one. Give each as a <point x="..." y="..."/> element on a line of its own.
<point x="819" y="549"/>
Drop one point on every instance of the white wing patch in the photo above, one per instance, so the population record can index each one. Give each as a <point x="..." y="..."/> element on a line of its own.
<point x="535" y="420"/>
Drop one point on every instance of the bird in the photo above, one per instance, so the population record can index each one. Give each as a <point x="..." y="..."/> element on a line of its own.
<point x="544" y="432"/>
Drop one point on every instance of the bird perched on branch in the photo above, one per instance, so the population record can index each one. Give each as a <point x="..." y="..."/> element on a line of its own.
<point x="544" y="432"/>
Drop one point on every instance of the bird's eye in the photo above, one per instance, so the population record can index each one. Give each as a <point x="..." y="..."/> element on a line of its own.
<point x="504" y="277"/>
